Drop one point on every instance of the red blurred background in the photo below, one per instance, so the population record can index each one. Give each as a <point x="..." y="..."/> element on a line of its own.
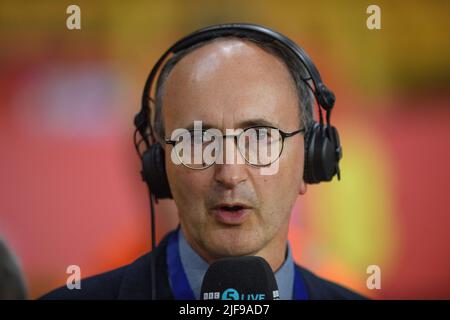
<point x="70" y="190"/>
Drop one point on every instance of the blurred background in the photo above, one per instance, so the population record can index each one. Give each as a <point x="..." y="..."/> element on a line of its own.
<point x="70" y="189"/>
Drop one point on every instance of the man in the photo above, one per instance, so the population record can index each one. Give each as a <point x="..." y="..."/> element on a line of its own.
<point x="225" y="208"/>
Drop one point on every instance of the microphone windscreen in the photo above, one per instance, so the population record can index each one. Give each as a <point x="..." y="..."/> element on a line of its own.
<point x="239" y="278"/>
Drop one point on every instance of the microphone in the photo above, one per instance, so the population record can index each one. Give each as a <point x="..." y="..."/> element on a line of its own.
<point x="239" y="278"/>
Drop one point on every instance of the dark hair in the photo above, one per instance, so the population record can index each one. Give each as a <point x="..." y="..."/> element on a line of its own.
<point x="295" y="67"/>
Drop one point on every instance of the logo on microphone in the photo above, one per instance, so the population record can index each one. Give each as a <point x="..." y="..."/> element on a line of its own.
<point x="233" y="294"/>
<point x="276" y="295"/>
<point x="230" y="294"/>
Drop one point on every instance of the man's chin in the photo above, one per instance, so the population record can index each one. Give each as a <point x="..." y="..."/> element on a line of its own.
<point x="230" y="243"/>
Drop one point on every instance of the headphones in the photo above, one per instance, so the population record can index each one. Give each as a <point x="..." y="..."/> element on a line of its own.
<point x="323" y="150"/>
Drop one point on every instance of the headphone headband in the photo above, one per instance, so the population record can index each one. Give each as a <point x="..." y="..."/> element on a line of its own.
<point x="324" y="96"/>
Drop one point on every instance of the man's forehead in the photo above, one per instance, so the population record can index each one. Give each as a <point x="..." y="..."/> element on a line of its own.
<point x="229" y="79"/>
<point x="205" y="61"/>
<point x="226" y="46"/>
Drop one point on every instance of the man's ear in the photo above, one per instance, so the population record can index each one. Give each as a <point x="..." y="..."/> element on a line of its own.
<point x="303" y="187"/>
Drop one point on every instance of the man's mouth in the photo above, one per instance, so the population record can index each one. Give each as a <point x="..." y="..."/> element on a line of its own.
<point x="231" y="213"/>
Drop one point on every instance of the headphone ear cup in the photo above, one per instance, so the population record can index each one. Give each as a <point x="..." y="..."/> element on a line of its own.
<point x="310" y="140"/>
<point x="326" y="159"/>
<point x="154" y="171"/>
<point x="321" y="154"/>
<point x="337" y="150"/>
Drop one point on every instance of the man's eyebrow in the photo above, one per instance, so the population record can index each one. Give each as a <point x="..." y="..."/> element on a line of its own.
<point x="256" y="122"/>
<point x="205" y="126"/>
<point x="243" y="124"/>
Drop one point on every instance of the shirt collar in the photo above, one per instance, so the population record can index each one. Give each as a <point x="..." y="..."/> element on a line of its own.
<point x="195" y="268"/>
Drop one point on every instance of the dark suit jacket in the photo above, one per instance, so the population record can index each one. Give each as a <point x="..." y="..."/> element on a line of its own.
<point x="133" y="282"/>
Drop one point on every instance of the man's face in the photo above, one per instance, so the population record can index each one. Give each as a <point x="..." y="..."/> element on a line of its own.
<point x="231" y="84"/>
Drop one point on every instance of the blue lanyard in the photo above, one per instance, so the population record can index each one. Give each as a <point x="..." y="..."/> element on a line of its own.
<point x="180" y="284"/>
<point x="178" y="279"/>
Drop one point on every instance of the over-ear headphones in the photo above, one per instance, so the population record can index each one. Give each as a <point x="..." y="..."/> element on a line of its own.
<point x="322" y="146"/>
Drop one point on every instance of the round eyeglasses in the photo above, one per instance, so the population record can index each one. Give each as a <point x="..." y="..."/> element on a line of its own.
<point x="258" y="145"/>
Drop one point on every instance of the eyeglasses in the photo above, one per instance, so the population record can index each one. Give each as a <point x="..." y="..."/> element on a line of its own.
<point x="259" y="146"/>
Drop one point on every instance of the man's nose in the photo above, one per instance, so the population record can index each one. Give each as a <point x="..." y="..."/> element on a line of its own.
<point x="230" y="173"/>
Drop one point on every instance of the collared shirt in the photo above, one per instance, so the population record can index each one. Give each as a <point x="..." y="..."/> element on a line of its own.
<point x="195" y="268"/>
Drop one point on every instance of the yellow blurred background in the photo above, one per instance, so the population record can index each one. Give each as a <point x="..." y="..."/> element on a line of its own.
<point x="70" y="190"/>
